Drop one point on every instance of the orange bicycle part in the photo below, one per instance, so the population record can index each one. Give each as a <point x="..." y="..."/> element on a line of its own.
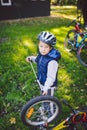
<point x="30" y="112"/>
<point x="80" y="117"/>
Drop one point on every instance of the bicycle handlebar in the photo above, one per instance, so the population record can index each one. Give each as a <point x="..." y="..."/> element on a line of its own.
<point x="73" y="21"/>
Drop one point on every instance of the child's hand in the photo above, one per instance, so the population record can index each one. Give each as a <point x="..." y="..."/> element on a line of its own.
<point x="29" y="59"/>
<point x="44" y="93"/>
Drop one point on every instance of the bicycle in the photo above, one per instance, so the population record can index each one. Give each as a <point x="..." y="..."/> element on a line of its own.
<point x="34" y="114"/>
<point x="71" y="36"/>
<point x="76" y="39"/>
<point x="41" y="111"/>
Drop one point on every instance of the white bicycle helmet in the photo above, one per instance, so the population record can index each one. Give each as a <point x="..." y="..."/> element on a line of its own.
<point x="48" y="38"/>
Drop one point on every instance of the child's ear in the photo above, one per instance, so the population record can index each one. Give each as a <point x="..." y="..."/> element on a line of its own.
<point x="51" y="47"/>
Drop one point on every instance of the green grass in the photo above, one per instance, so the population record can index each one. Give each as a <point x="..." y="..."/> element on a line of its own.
<point x="18" y="39"/>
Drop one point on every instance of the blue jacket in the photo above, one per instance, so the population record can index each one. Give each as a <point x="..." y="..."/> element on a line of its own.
<point x="42" y="63"/>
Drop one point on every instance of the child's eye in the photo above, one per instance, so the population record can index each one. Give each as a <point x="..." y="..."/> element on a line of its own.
<point x="46" y="47"/>
<point x="41" y="46"/>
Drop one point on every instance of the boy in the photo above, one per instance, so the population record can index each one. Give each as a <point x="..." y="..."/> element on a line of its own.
<point x="47" y="62"/>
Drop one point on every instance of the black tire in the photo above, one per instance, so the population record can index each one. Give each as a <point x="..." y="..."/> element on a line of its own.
<point x="34" y="114"/>
<point x="69" y="43"/>
<point x="82" y="54"/>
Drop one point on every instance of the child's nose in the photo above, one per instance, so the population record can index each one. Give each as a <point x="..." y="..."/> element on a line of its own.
<point x="43" y="49"/>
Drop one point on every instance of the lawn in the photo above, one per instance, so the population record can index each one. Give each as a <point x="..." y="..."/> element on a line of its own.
<point x="18" y="39"/>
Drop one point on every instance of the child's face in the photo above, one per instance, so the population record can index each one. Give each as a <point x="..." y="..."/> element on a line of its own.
<point x="44" y="48"/>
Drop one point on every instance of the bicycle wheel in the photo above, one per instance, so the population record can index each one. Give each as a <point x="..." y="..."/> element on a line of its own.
<point x="69" y="43"/>
<point x="40" y="110"/>
<point x="82" y="54"/>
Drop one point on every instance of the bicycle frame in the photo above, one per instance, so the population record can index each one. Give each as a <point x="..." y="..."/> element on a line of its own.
<point x="61" y="125"/>
<point x="77" y="42"/>
<point x="81" y="41"/>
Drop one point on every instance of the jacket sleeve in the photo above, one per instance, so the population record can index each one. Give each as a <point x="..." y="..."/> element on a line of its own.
<point x="51" y="74"/>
